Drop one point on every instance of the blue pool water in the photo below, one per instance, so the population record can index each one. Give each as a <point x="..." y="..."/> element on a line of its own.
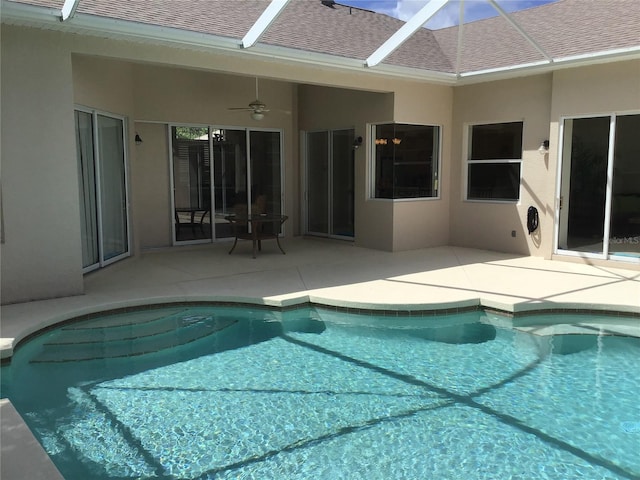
<point x="227" y="393"/>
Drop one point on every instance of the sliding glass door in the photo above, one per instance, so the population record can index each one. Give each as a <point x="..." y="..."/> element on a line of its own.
<point x="240" y="169"/>
<point x="191" y="183"/>
<point x="103" y="188"/>
<point x="330" y="183"/>
<point x="599" y="204"/>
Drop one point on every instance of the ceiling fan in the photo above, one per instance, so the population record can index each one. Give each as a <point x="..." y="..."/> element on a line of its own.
<point x="257" y="108"/>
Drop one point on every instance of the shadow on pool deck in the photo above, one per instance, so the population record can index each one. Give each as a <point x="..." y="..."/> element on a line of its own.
<point x="338" y="274"/>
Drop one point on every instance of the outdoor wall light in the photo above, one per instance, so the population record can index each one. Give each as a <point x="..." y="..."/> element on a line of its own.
<point x="138" y="139"/>
<point x="544" y="147"/>
<point x="357" y="142"/>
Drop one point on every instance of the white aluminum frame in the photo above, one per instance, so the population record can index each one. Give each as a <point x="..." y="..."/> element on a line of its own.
<point x="210" y="128"/>
<point x="466" y="145"/>
<point x="608" y="194"/>
<point x="127" y="187"/>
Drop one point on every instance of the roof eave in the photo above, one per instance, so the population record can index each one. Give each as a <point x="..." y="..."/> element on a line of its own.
<point x="49" y="18"/>
<point x="546" y="66"/>
<point x="46" y="17"/>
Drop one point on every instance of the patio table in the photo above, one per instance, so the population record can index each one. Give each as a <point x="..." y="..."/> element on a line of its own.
<point x="252" y="227"/>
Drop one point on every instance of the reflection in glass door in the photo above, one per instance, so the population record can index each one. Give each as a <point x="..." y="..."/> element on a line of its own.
<point x="624" y="234"/>
<point x="599" y="203"/>
<point x="244" y="177"/>
<point x="113" y="187"/>
<point x="191" y="184"/>
<point x="229" y="177"/>
<point x="584" y="181"/>
<point x="266" y="175"/>
<point x="318" y="183"/>
<point x="330" y="183"/>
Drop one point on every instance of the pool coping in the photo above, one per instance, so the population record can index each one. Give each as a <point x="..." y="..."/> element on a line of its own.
<point x="8" y="345"/>
<point x="22" y="456"/>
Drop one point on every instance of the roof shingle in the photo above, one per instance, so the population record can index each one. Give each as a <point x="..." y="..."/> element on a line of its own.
<point x="563" y="28"/>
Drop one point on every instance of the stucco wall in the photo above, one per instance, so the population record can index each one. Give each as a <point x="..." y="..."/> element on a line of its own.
<point x="380" y="223"/>
<point x="152" y="194"/>
<point x="425" y="222"/>
<point x="41" y="253"/>
<point x="334" y="108"/>
<point x="594" y="91"/>
<point x="184" y="96"/>
<point x="606" y="88"/>
<point x="489" y="225"/>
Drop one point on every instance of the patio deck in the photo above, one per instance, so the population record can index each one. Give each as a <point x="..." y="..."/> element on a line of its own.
<point x="337" y="274"/>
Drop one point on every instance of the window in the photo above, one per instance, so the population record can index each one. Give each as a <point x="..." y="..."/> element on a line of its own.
<point x="406" y="160"/>
<point x="494" y="161"/>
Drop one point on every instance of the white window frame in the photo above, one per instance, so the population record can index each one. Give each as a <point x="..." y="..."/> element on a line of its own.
<point x="468" y="129"/>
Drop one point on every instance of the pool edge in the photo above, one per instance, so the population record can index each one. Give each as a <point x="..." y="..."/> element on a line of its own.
<point x="9" y="344"/>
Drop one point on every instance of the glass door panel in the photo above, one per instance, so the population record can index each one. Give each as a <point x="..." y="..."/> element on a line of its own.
<point x="266" y="176"/>
<point x="229" y="177"/>
<point x="330" y="183"/>
<point x="113" y="186"/>
<point x="624" y="236"/>
<point x="191" y="184"/>
<point x="342" y="184"/>
<point x="88" y="193"/>
<point x="318" y="182"/>
<point x="584" y="184"/>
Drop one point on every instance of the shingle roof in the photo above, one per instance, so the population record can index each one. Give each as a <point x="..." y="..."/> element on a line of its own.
<point x="563" y="28"/>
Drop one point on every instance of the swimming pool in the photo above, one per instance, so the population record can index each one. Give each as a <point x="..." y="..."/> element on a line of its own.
<point x="224" y="392"/>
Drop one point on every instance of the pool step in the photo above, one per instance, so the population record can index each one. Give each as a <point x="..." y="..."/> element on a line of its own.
<point x="126" y="340"/>
<point x="130" y="327"/>
<point x="124" y="319"/>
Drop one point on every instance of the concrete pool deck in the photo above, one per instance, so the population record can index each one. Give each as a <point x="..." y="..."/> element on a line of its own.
<point x="320" y="271"/>
<point x="335" y="273"/>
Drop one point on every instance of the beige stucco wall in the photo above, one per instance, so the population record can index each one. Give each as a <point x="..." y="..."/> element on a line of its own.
<point x="594" y="91"/>
<point x="41" y="253"/>
<point x="166" y="95"/>
<point x="323" y="108"/>
<point x="425" y="222"/>
<point x="381" y="223"/>
<point x="489" y="225"/>
<point x="152" y="193"/>
<point x="605" y="88"/>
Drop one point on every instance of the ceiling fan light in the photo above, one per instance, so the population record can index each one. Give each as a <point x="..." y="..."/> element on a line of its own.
<point x="257" y="115"/>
